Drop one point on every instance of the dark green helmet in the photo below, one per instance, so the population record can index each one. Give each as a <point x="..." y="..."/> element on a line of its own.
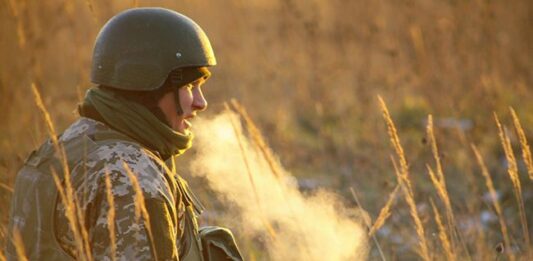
<point x="138" y="48"/>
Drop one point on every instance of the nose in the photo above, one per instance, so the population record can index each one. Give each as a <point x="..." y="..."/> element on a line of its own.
<point x="199" y="102"/>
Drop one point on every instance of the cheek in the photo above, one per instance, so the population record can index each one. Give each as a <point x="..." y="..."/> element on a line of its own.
<point x="186" y="99"/>
<point x="167" y="104"/>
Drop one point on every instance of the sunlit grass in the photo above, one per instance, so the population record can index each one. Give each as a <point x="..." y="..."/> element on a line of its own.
<point x="402" y="174"/>
<point x="111" y="217"/>
<point x="140" y="206"/>
<point x="512" y="170"/>
<point x="318" y="117"/>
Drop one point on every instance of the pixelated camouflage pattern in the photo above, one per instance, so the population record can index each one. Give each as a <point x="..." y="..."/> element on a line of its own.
<point x="163" y="200"/>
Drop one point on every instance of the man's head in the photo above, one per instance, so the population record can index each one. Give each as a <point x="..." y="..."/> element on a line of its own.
<point x="156" y="57"/>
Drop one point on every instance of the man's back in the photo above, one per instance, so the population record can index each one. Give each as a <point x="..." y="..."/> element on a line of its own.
<point x="105" y="153"/>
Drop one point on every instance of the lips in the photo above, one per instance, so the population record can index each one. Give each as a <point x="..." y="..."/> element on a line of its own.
<point x="186" y="124"/>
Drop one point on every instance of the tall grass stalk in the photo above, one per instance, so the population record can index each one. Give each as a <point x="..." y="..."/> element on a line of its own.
<point x="72" y="218"/>
<point x="257" y="137"/>
<point x="526" y="151"/>
<point x="6" y="187"/>
<point x="384" y="213"/>
<point x="111" y="216"/>
<point x="67" y="195"/>
<point x="402" y="174"/>
<point x="2" y="257"/>
<point x="266" y="224"/>
<point x="494" y="200"/>
<point x="273" y="165"/>
<point x="367" y="224"/>
<point x="140" y="206"/>
<point x="15" y="10"/>
<point x="439" y="182"/>
<point x="443" y="236"/>
<point x="512" y="170"/>
<point x="19" y="245"/>
<point x="443" y="195"/>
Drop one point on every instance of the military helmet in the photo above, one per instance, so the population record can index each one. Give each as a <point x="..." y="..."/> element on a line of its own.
<point x="138" y="48"/>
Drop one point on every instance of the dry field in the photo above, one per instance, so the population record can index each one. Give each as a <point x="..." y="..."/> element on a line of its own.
<point x="420" y="110"/>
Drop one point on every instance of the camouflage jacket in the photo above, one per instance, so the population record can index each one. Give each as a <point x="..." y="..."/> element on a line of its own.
<point x="166" y="198"/>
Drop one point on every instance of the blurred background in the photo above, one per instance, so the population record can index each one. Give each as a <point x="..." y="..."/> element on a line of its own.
<point x="309" y="72"/>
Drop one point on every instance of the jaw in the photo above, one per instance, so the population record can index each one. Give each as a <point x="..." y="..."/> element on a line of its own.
<point x="181" y="125"/>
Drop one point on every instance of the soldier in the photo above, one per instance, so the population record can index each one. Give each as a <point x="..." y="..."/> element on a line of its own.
<point x="149" y="65"/>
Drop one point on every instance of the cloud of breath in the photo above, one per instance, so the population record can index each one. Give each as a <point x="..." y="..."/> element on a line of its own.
<point x="295" y="226"/>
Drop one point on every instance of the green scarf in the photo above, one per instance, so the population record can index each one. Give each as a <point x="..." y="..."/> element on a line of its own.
<point x="137" y="122"/>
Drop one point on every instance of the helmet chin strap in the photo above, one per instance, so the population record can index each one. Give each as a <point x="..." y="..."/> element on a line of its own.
<point x="176" y="78"/>
<point x="179" y="110"/>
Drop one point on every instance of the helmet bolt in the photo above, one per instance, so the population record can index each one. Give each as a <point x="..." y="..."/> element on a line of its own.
<point x="178" y="55"/>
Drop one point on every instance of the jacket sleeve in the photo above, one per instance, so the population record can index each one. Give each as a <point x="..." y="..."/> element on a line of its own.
<point x="136" y="237"/>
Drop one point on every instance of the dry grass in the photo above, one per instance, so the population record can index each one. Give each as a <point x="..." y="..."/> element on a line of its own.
<point x="268" y="156"/>
<point x="268" y="227"/>
<point x="512" y="170"/>
<point x="258" y="139"/>
<point x="68" y="198"/>
<point x="384" y="213"/>
<point x="402" y="174"/>
<point x="376" y="225"/>
<point x="140" y="207"/>
<point x="68" y="202"/>
<point x="308" y="78"/>
<point x="439" y="181"/>
<point x="494" y="199"/>
<point x="19" y="245"/>
<point x="526" y="151"/>
<point x="443" y="236"/>
<point x="111" y="216"/>
<point x="2" y="257"/>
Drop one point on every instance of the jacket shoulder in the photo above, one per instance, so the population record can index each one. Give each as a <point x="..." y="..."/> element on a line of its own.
<point x="116" y="157"/>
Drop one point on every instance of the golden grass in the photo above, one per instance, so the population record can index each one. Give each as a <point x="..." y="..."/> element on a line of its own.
<point x="384" y="213"/>
<point x="257" y="137"/>
<point x="15" y="10"/>
<point x="74" y="213"/>
<point x="111" y="216"/>
<point x="494" y="199"/>
<point x="443" y="236"/>
<point x="49" y="124"/>
<point x="245" y="160"/>
<point x="140" y="207"/>
<point x="6" y="187"/>
<point x="2" y="257"/>
<point x="430" y="41"/>
<point x="526" y="151"/>
<point x="19" y="245"/>
<point x="70" y="213"/>
<point x="439" y="181"/>
<point x="268" y="155"/>
<point x="512" y="170"/>
<point x="75" y="216"/>
<point x="402" y="174"/>
<point x="368" y="225"/>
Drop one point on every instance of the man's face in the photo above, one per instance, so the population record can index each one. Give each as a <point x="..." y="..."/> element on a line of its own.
<point x="191" y="100"/>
